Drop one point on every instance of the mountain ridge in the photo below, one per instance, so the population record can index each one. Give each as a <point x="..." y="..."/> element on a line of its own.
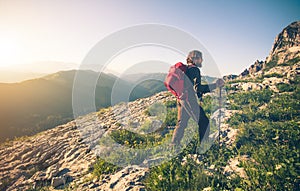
<point x="45" y="102"/>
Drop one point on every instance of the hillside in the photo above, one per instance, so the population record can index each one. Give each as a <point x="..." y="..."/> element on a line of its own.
<point x="125" y="146"/>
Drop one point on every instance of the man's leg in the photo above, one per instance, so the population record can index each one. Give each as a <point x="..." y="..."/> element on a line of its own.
<point x="204" y="126"/>
<point x="182" y="120"/>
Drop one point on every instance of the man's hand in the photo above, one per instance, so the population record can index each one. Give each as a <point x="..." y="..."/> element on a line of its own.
<point x="220" y="83"/>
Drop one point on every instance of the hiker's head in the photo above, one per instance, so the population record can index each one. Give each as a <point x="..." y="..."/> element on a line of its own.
<point x="195" y="57"/>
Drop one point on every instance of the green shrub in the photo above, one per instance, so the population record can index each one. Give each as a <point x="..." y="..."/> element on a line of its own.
<point x="156" y="109"/>
<point x="283" y="108"/>
<point x="273" y="75"/>
<point x="210" y="104"/>
<point x="228" y="87"/>
<point x="175" y="176"/>
<point x="252" y="98"/>
<point x="193" y="174"/>
<point x="293" y="61"/>
<point x="283" y="87"/>
<point x="258" y="80"/>
<point x="132" y="139"/>
<point x="171" y="118"/>
<point x="171" y="104"/>
<point x="102" y="167"/>
<point x="272" y="63"/>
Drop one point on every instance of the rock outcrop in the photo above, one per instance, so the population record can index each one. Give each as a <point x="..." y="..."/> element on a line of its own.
<point x="253" y="69"/>
<point x="230" y="77"/>
<point x="286" y="45"/>
<point x="273" y="77"/>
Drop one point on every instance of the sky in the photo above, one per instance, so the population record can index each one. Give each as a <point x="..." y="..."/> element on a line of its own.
<point x="235" y="33"/>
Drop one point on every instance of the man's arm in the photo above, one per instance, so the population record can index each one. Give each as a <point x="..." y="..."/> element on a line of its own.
<point x="198" y="87"/>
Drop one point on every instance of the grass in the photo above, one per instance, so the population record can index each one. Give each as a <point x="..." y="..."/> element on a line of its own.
<point x="269" y="136"/>
<point x="102" y="167"/>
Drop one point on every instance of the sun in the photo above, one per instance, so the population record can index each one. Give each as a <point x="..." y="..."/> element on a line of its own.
<point x="9" y="51"/>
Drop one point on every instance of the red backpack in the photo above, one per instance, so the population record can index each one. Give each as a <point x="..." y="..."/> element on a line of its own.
<point x="174" y="81"/>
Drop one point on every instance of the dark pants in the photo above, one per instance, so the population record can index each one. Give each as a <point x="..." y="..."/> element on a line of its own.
<point x="190" y="109"/>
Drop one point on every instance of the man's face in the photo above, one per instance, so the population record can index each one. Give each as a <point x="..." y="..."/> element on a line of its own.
<point x="197" y="61"/>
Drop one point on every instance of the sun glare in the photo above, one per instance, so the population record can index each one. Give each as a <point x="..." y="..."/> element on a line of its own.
<point x="9" y="52"/>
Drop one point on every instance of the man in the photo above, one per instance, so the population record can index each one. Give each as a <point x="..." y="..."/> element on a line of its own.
<point x="189" y="107"/>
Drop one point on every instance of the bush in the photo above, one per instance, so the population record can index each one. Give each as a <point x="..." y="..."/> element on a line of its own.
<point x="293" y="61"/>
<point x="252" y="99"/>
<point x="133" y="140"/>
<point x="272" y="63"/>
<point x="171" y="104"/>
<point x="171" y="118"/>
<point x="175" y="176"/>
<point x="282" y="87"/>
<point x="273" y="75"/>
<point x="102" y="167"/>
<point x="282" y="108"/>
<point x="156" y="109"/>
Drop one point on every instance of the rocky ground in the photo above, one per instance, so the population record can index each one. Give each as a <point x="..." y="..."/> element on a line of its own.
<point x="54" y="157"/>
<point x="277" y="75"/>
<point x="65" y="154"/>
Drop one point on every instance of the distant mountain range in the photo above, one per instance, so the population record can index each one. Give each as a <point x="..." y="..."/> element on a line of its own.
<point x="35" y="105"/>
<point x="7" y="76"/>
<point x="22" y="72"/>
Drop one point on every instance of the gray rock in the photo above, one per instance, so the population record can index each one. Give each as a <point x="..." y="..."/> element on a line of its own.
<point x="57" y="181"/>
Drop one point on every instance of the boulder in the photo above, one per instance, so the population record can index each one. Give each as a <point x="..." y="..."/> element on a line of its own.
<point x="251" y="86"/>
<point x="57" y="181"/>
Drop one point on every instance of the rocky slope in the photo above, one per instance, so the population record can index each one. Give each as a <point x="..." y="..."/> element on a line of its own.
<point x="63" y="157"/>
<point x="53" y="157"/>
<point x="57" y="156"/>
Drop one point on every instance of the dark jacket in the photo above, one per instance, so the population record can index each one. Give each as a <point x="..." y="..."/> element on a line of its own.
<point x="193" y="82"/>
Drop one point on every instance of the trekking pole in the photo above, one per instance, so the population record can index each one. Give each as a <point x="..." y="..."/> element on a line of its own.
<point x="220" y="112"/>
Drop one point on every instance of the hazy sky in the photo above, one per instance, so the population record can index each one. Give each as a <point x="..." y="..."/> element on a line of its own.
<point x="235" y="32"/>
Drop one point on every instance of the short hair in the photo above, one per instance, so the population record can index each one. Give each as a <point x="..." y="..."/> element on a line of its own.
<point x="193" y="54"/>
